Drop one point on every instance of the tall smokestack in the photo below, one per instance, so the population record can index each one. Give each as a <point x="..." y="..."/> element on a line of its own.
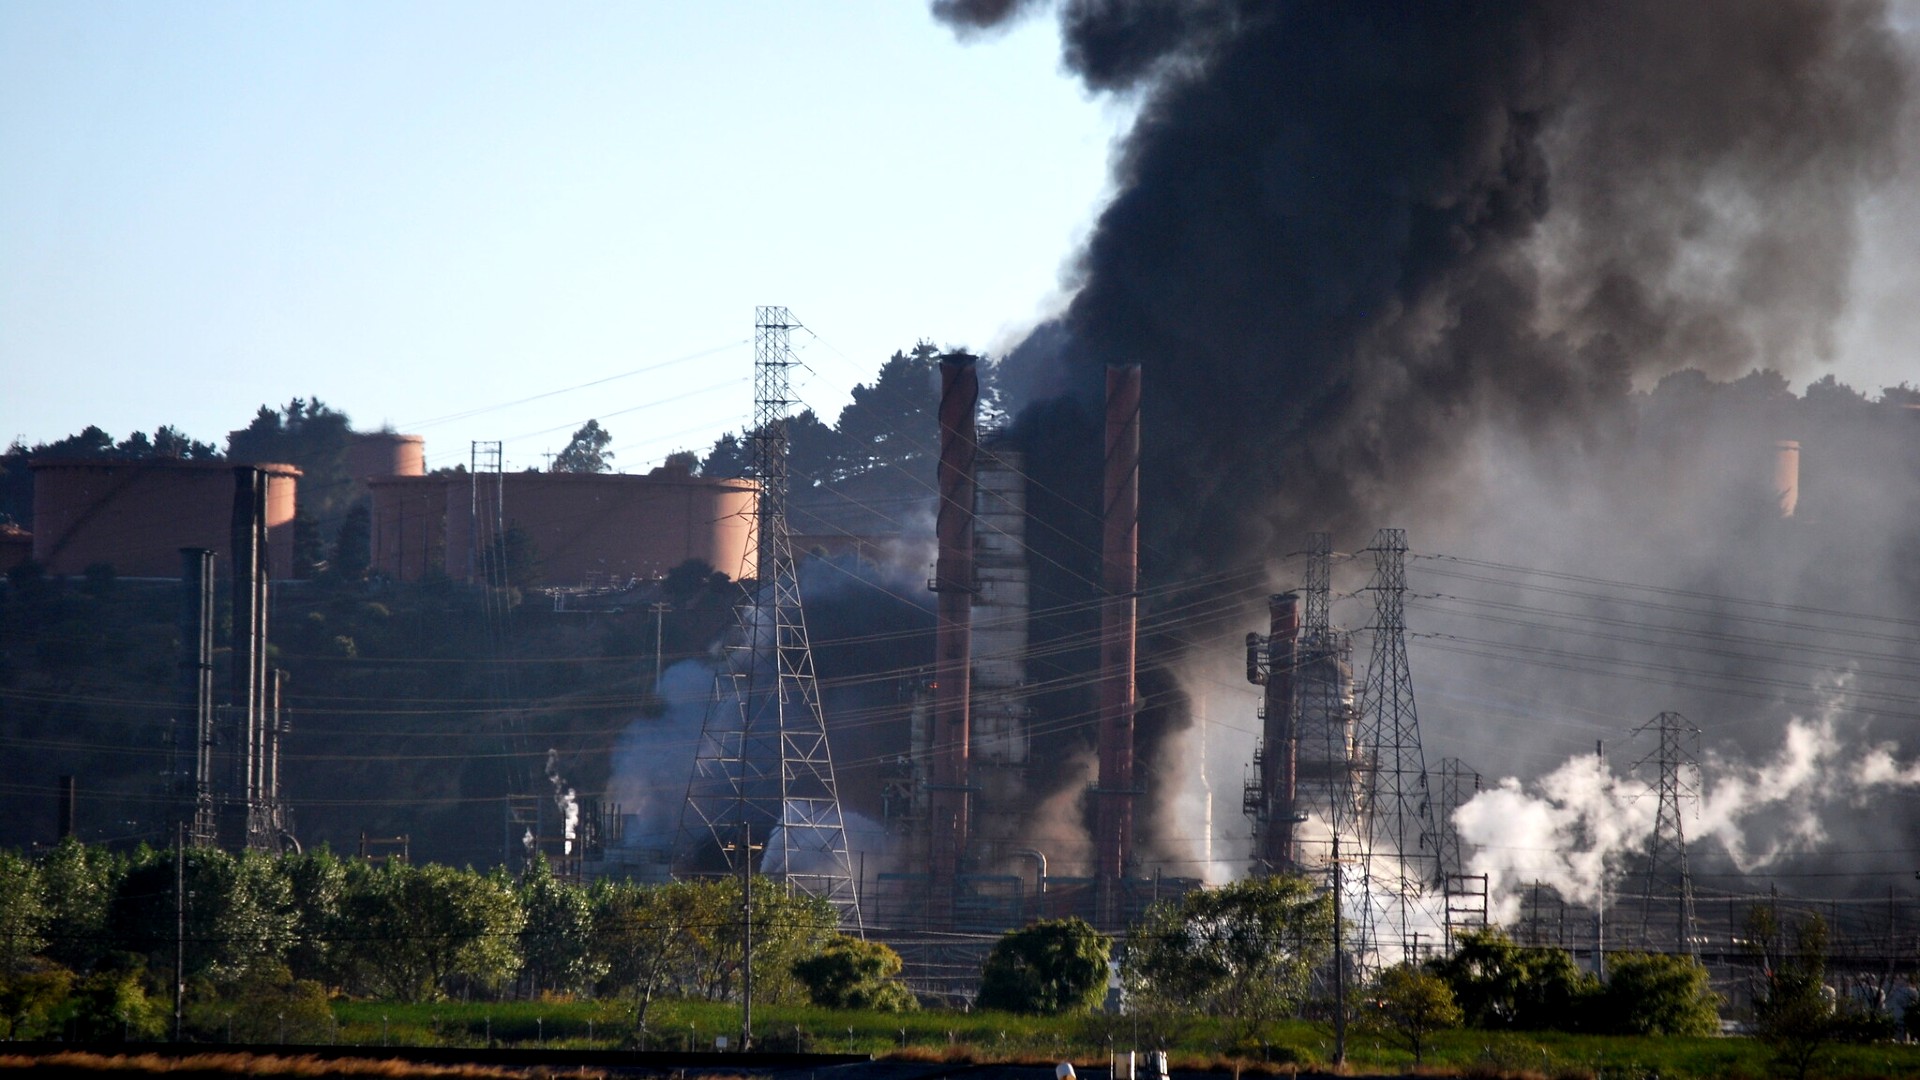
<point x="1119" y="579"/>
<point x="196" y="683"/>
<point x="1279" y="760"/>
<point x="950" y="802"/>
<point x="249" y="539"/>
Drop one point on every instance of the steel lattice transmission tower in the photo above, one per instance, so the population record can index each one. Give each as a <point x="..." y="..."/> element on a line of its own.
<point x="763" y="775"/>
<point x="1678" y="761"/>
<point x="1401" y="852"/>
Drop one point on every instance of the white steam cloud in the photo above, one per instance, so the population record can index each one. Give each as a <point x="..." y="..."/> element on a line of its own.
<point x="1580" y="827"/>
<point x="565" y="801"/>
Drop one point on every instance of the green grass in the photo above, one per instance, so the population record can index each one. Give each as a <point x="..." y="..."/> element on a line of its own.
<point x="1004" y="1037"/>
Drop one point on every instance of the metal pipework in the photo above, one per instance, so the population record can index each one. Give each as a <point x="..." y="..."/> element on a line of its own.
<point x="197" y="612"/>
<point x="950" y="800"/>
<point x="1119" y="578"/>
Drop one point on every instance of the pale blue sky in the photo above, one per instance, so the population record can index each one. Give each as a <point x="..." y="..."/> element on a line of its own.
<point x="418" y="210"/>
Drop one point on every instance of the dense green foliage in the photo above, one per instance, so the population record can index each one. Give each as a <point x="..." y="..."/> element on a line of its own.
<point x="1652" y="994"/>
<point x="1051" y="967"/>
<point x="587" y="451"/>
<point x="1409" y="1004"/>
<point x="313" y="436"/>
<point x="854" y="974"/>
<point x="1792" y="1010"/>
<point x="91" y="937"/>
<point x="1501" y="985"/>
<point x="1245" y="950"/>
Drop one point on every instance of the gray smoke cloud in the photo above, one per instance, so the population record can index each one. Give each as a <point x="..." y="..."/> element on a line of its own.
<point x="1411" y="263"/>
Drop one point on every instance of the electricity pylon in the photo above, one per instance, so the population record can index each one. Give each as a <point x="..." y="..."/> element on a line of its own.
<point x="1400" y="852"/>
<point x="763" y="774"/>
<point x="1677" y="759"/>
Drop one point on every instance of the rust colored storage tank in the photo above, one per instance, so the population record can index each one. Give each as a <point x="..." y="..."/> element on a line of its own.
<point x="605" y="527"/>
<point x="409" y="526"/>
<point x="137" y="515"/>
<point x="1786" y="477"/>
<point x="16" y="546"/>
<point x="383" y="453"/>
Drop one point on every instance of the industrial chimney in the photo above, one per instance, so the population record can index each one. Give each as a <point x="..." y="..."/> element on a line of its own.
<point x="1279" y="741"/>
<point x="1119" y="579"/>
<point x="950" y="800"/>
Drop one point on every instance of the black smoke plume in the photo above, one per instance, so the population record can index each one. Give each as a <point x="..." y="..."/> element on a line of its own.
<point x="1350" y="239"/>
<point x="1345" y="233"/>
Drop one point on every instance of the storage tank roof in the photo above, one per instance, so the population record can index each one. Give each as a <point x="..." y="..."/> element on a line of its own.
<point x="162" y="465"/>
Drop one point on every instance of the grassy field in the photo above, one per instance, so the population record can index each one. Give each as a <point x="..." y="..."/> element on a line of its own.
<point x="1003" y="1037"/>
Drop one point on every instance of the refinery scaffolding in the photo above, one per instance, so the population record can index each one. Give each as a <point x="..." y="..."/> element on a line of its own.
<point x="1303" y="791"/>
<point x="1466" y="894"/>
<point x="1325" y="719"/>
<point x="762" y="778"/>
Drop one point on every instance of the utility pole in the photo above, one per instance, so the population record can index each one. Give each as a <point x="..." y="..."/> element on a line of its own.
<point x="746" y="943"/>
<point x="179" y="928"/>
<point x="660" y="609"/>
<point x="1339" y="970"/>
<point x="1600" y="905"/>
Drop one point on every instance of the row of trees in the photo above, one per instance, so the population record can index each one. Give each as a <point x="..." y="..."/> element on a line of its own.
<point x="314" y="923"/>
<point x="1245" y="953"/>
<point x="1248" y="954"/>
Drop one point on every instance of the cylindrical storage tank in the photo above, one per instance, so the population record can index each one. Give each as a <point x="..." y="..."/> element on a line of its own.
<point x="604" y="527"/>
<point x="16" y="546"/>
<point x="383" y="453"/>
<point x="409" y="525"/>
<point x="136" y="515"/>
<point x="1786" y="476"/>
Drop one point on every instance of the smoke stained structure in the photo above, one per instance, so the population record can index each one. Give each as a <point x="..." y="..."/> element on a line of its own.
<point x="1407" y="264"/>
